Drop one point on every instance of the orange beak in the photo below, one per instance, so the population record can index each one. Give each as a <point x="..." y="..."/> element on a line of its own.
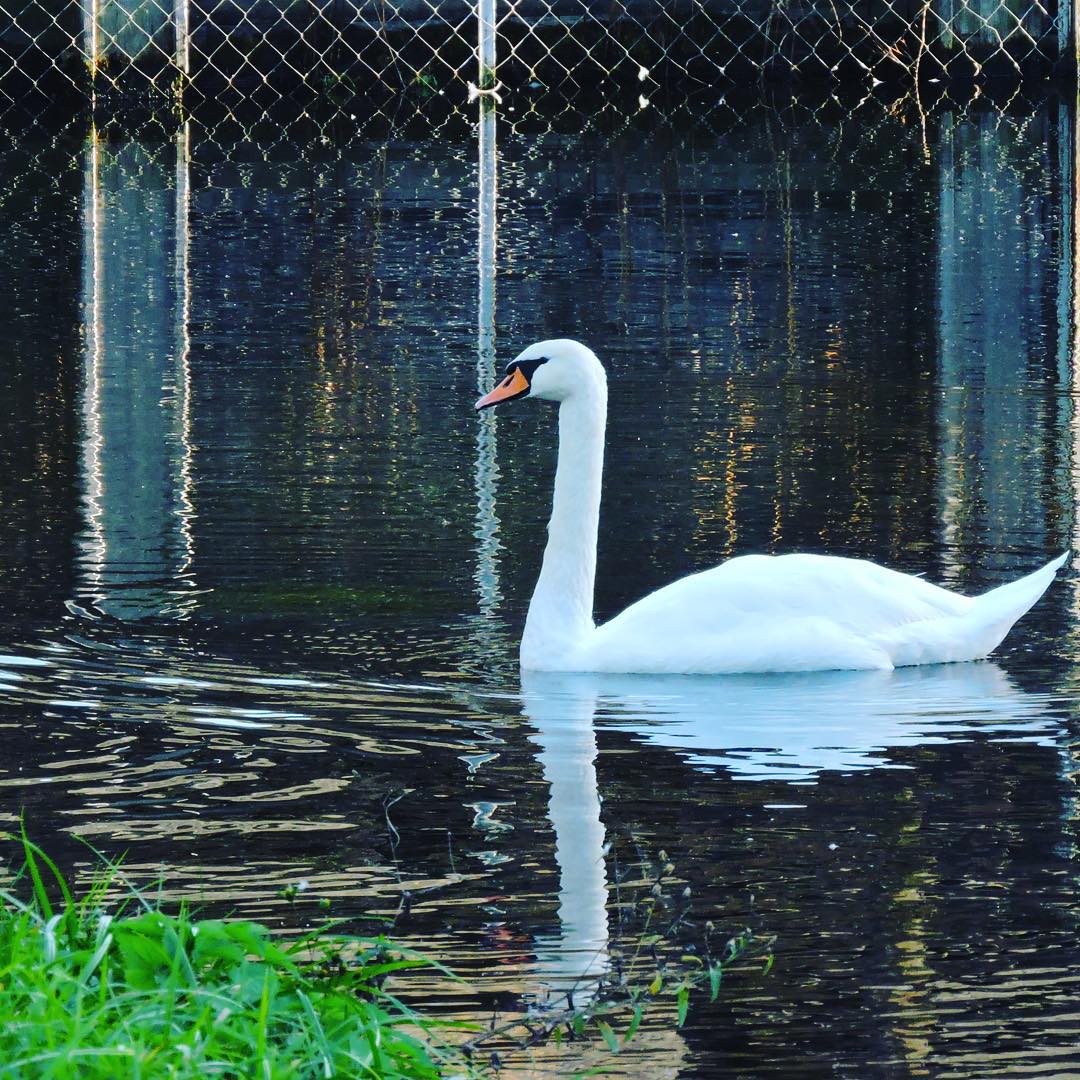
<point x="514" y="385"/>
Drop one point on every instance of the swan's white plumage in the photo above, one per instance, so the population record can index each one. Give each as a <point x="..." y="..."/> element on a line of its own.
<point x="755" y="613"/>
<point x="805" y="613"/>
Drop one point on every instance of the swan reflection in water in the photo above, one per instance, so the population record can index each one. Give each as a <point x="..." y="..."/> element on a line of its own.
<point x="561" y="712"/>
<point x="756" y="727"/>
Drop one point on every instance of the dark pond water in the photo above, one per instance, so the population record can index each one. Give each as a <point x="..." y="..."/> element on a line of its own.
<point x="263" y="571"/>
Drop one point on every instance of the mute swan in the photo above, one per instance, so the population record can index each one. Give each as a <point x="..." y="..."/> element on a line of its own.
<point x="754" y="613"/>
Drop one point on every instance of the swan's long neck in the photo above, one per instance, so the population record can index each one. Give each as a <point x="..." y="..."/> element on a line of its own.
<point x="560" y="614"/>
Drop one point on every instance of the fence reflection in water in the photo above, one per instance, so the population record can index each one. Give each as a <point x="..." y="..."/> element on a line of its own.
<point x="320" y="283"/>
<point x="1003" y="175"/>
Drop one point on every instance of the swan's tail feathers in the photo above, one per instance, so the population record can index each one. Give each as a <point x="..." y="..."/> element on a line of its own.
<point x="1014" y="599"/>
<point x="993" y="614"/>
<point x="973" y="632"/>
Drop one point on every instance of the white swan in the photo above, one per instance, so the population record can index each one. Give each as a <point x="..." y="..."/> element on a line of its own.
<point x="754" y="613"/>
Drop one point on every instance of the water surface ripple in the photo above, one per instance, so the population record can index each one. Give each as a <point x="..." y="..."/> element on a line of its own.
<point x="262" y="575"/>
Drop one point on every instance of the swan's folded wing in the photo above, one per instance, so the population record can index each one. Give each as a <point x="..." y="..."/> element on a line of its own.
<point x="772" y="613"/>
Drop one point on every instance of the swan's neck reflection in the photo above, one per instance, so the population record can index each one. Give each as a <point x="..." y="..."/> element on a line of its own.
<point x="562" y="714"/>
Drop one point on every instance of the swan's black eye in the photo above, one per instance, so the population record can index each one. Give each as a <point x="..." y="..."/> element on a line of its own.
<point x="526" y="367"/>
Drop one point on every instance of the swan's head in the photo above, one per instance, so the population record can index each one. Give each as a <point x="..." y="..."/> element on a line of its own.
<point x="552" y="370"/>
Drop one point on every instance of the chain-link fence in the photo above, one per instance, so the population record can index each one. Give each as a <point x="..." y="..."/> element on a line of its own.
<point x="264" y="50"/>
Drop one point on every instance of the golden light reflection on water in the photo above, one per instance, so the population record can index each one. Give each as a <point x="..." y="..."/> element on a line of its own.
<point x="804" y="353"/>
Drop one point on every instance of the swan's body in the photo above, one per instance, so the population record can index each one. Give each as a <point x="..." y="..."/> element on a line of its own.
<point x="804" y="613"/>
<point x="754" y="613"/>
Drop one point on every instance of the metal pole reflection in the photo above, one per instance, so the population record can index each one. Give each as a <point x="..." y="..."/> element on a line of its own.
<point x="488" y="586"/>
<point x="1072" y="245"/>
<point x="185" y="509"/>
<point x="93" y="477"/>
<point x="997" y="273"/>
<point x="137" y="547"/>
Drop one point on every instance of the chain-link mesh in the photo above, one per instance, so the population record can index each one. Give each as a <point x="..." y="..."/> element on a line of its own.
<point x="729" y="44"/>
<point x="265" y="50"/>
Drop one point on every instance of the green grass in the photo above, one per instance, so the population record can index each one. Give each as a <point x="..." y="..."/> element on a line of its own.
<point x="97" y="987"/>
<point x="109" y="985"/>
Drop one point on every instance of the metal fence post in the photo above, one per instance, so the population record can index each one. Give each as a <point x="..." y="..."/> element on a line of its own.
<point x="182" y="24"/>
<point x="1074" y="38"/>
<point x="90" y="37"/>
<point x="485" y="51"/>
